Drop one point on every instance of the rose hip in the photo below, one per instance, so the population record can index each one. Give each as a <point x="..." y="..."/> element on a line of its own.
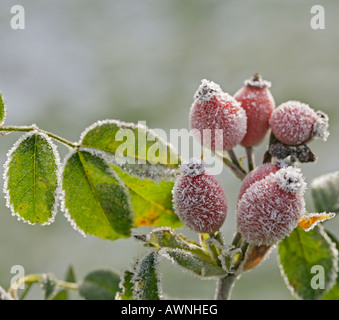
<point x="257" y="100"/>
<point x="199" y="199"/>
<point x="271" y="208"/>
<point x="295" y="123"/>
<point x="218" y="119"/>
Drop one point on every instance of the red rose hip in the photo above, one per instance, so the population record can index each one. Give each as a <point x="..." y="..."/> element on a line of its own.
<point x="199" y="199"/>
<point x="258" y="103"/>
<point x="295" y="123"/>
<point x="271" y="208"/>
<point x="256" y="175"/>
<point x="217" y="118"/>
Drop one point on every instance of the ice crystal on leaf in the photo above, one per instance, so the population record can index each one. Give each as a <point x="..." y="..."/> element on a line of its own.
<point x="146" y="278"/>
<point x="134" y="147"/>
<point x="32" y="178"/>
<point x="3" y="109"/>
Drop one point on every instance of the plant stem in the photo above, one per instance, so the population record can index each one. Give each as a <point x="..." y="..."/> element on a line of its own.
<point x="35" y="278"/>
<point x="239" y="173"/>
<point x="32" y="128"/>
<point x="235" y="160"/>
<point x="250" y="158"/>
<point x="267" y="155"/>
<point x="225" y="284"/>
<point x="224" y="287"/>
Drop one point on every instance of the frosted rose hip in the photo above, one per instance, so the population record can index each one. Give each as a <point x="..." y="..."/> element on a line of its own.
<point x="257" y="174"/>
<point x="199" y="199"/>
<point x="271" y="208"/>
<point x="214" y="110"/>
<point x="257" y="100"/>
<point x="295" y="123"/>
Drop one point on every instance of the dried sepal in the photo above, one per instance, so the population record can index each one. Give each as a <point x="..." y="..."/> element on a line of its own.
<point x="310" y="220"/>
<point x="254" y="256"/>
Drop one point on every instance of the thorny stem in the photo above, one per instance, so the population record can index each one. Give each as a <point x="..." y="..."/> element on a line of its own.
<point x="35" y="278"/>
<point x="32" y="128"/>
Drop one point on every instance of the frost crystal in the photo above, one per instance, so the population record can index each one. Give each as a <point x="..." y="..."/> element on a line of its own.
<point x="4" y="295"/>
<point x="57" y="191"/>
<point x="193" y="168"/>
<point x="219" y="123"/>
<point x="206" y="91"/>
<point x="320" y="128"/>
<point x="4" y="109"/>
<point x="63" y="198"/>
<point x="292" y="122"/>
<point x="146" y="272"/>
<point x="257" y="82"/>
<point x="272" y="207"/>
<point x="200" y="202"/>
<point x="151" y="167"/>
<point x="290" y="179"/>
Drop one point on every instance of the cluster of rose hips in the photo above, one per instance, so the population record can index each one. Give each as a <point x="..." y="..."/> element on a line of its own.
<point x="271" y="198"/>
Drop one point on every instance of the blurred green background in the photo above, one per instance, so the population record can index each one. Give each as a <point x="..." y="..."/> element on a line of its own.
<point x="80" y="61"/>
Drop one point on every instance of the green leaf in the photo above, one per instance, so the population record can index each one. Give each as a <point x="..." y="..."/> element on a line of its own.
<point x="96" y="200"/>
<point x="146" y="278"/>
<point x="70" y="275"/>
<point x="325" y="192"/>
<point x="333" y="293"/>
<point x="300" y="253"/>
<point x="167" y="238"/>
<point x="2" y="110"/>
<point x="100" y="285"/>
<point x="32" y="178"/>
<point x="151" y="201"/>
<point x="63" y="293"/>
<point x="196" y="264"/>
<point x="126" y="286"/>
<point x="136" y="148"/>
<point x="190" y="256"/>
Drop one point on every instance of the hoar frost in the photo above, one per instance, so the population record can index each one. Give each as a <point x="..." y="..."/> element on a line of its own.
<point x="57" y="170"/>
<point x="271" y="208"/>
